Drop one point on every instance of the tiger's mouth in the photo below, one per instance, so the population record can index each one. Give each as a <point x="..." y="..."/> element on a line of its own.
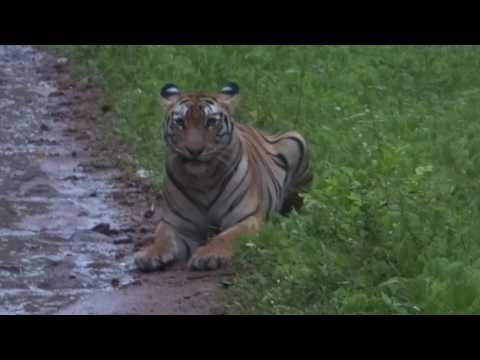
<point x="190" y="161"/>
<point x="197" y="167"/>
<point x="205" y="158"/>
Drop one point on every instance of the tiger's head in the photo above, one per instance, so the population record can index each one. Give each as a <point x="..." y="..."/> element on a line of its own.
<point x="199" y="125"/>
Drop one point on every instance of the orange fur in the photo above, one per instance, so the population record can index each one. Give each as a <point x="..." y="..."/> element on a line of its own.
<point x="221" y="174"/>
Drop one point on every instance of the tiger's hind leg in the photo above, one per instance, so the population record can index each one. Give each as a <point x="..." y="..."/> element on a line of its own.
<point x="292" y="147"/>
<point x="165" y="249"/>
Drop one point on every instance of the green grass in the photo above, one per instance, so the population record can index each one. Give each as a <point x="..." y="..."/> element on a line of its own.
<point x="392" y="223"/>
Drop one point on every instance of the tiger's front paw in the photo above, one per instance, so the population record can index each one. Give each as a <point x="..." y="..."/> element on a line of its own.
<point x="207" y="258"/>
<point x="150" y="259"/>
<point x="146" y="263"/>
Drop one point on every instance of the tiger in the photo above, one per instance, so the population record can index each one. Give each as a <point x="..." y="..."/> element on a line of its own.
<point x="224" y="179"/>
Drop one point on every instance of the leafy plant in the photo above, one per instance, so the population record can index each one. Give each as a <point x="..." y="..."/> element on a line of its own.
<point x="391" y="223"/>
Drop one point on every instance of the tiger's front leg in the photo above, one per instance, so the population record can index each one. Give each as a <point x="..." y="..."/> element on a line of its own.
<point x="219" y="251"/>
<point x="162" y="252"/>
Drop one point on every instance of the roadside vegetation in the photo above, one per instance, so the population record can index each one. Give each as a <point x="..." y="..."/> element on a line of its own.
<point x="392" y="224"/>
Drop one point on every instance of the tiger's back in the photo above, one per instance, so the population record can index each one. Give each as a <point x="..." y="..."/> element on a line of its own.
<point x="283" y="161"/>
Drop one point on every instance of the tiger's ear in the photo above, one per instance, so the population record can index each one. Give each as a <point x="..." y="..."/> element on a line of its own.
<point x="170" y="94"/>
<point x="229" y="96"/>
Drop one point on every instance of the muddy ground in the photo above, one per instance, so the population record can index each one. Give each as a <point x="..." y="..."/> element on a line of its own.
<point x="70" y="220"/>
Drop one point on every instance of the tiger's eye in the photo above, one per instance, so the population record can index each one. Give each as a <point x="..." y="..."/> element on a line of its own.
<point x="212" y="122"/>
<point x="180" y="122"/>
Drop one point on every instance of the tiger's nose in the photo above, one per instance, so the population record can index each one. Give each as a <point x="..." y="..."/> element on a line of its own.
<point x="195" y="152"/>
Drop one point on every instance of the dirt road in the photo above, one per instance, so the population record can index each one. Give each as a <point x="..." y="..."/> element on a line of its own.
<point x="69" y="220"/>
